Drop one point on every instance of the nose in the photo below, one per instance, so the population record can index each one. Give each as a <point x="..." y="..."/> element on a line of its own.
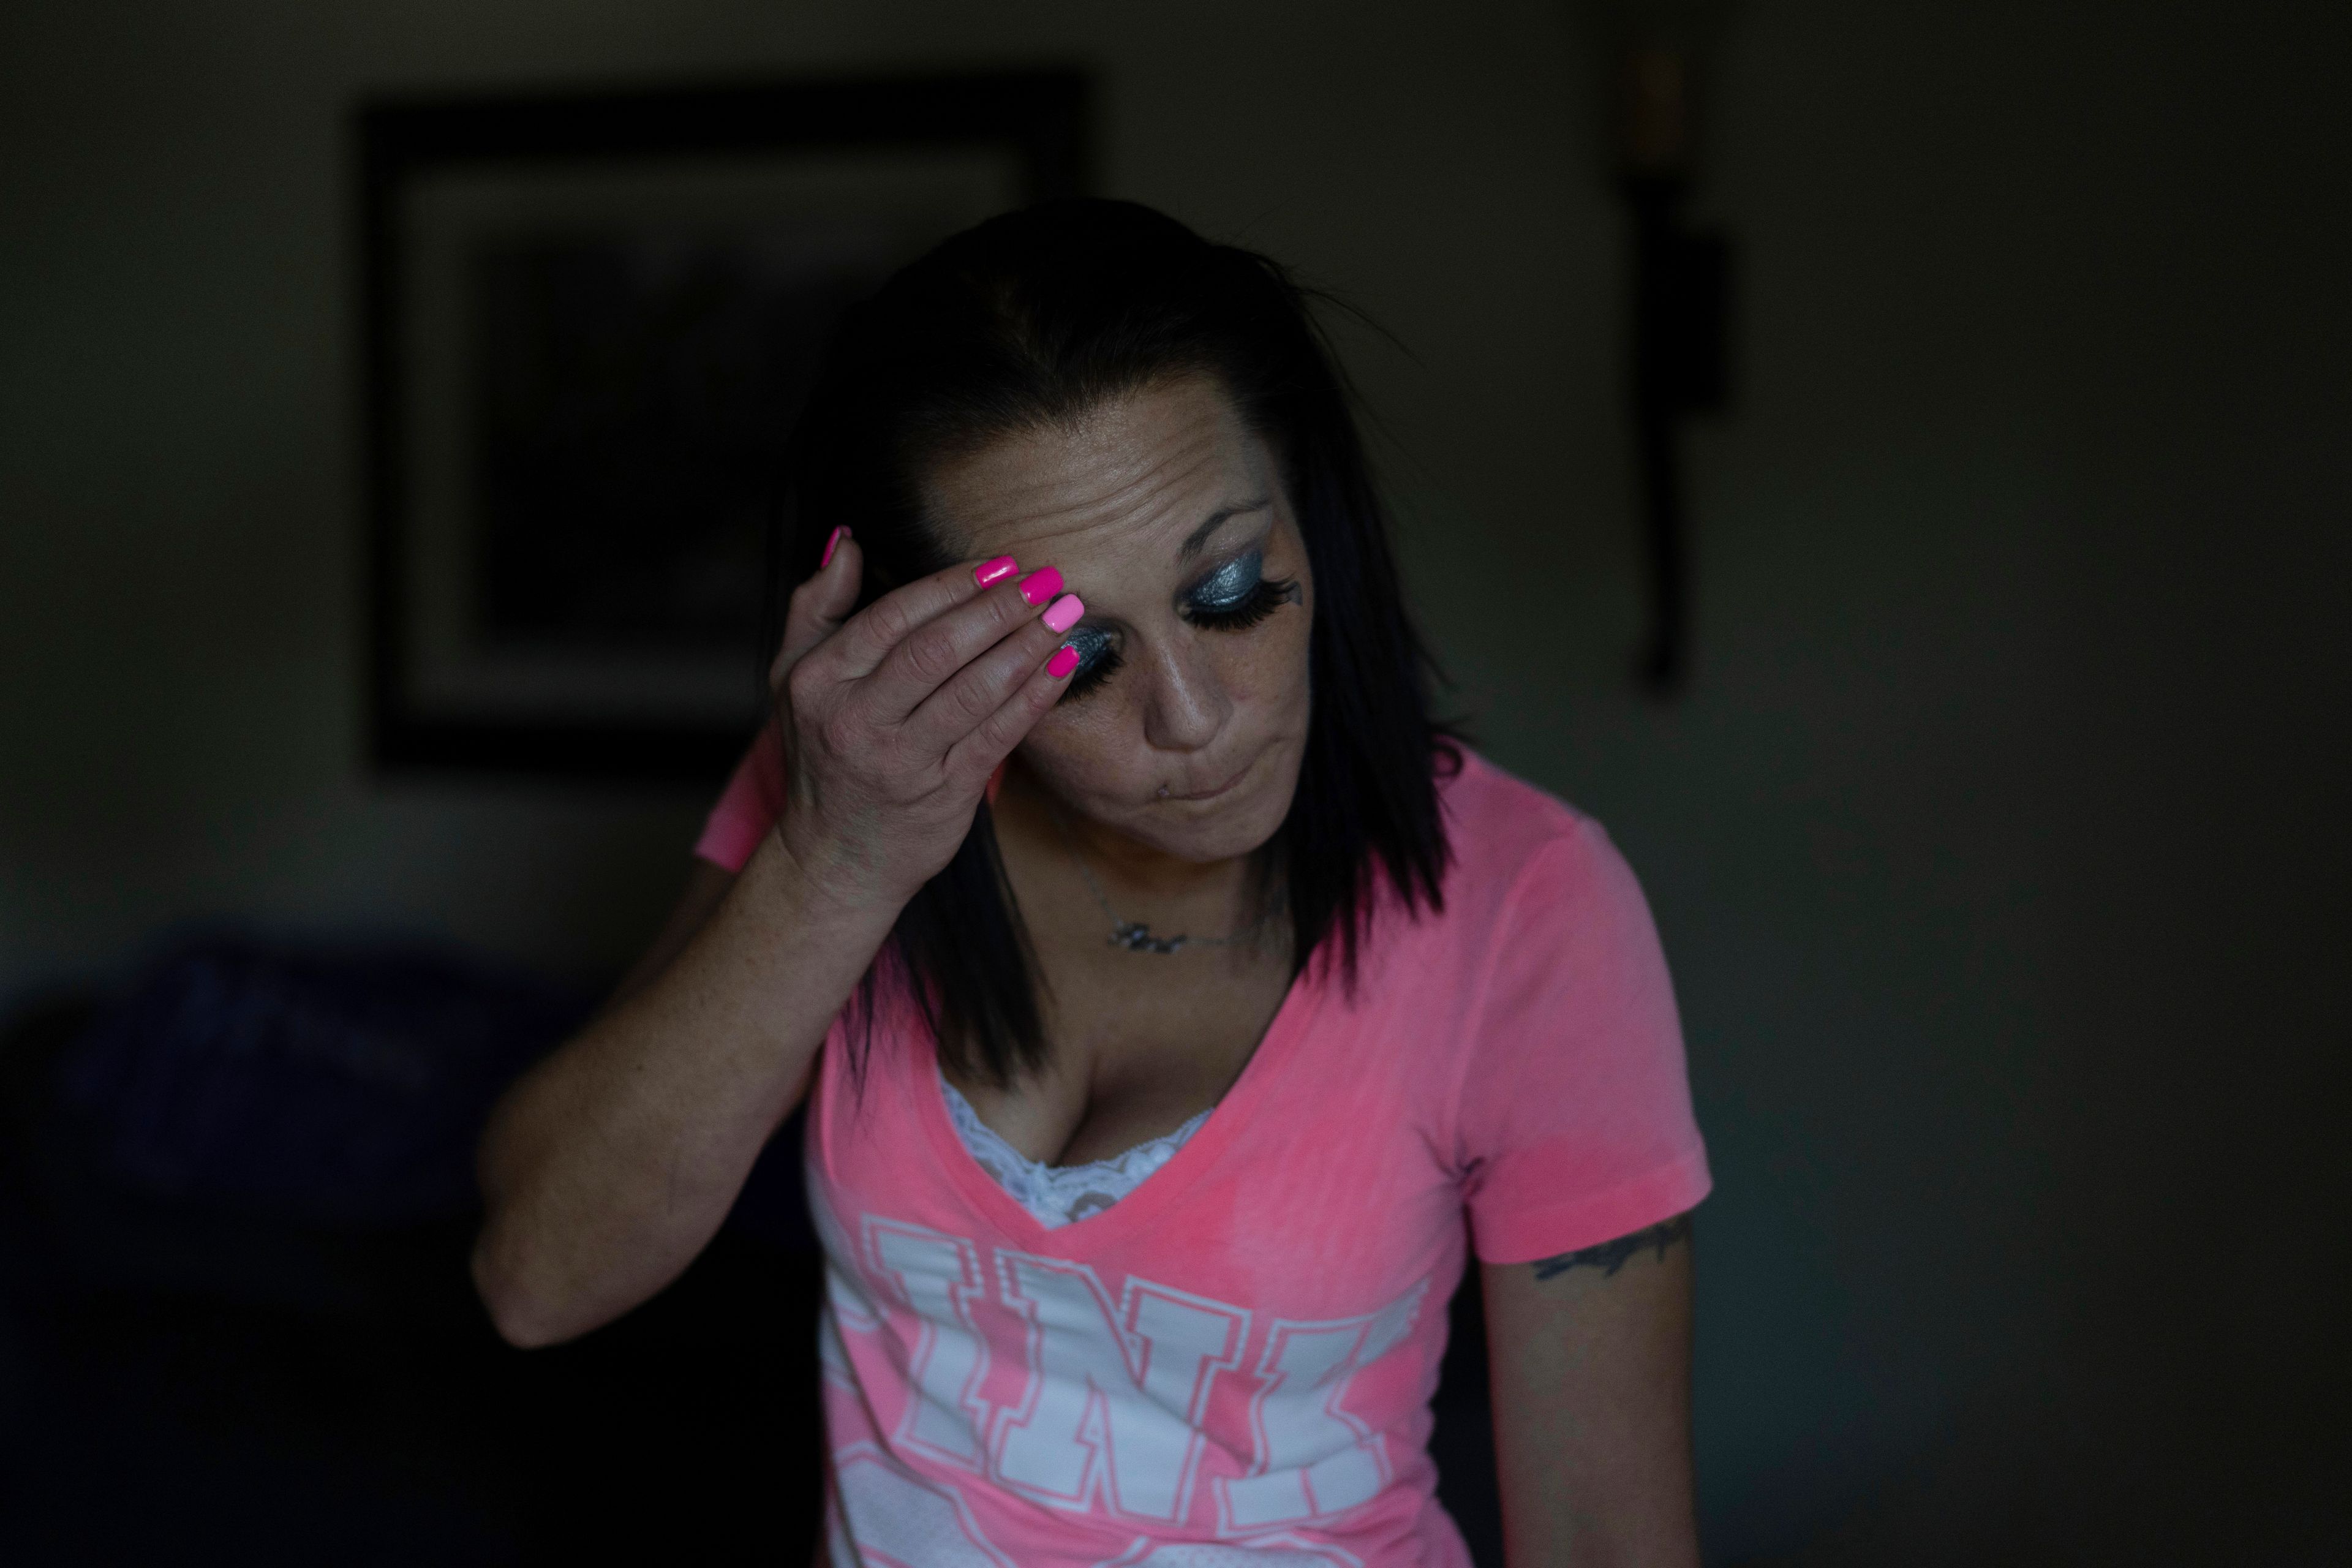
<point x="1188" y="704"/>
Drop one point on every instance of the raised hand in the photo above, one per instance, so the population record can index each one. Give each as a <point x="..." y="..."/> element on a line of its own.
<point x="892" y="719"/>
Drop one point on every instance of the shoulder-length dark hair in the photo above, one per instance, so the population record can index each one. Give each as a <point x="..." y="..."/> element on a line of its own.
<point x="1036" y="318"/>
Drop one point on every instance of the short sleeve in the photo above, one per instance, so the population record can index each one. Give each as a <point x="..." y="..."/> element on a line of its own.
<point x="1574" y="1113"/>
<point x="749" y="805"/>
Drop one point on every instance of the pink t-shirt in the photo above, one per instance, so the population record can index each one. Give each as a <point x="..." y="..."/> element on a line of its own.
<point x="1232" y="1366"/>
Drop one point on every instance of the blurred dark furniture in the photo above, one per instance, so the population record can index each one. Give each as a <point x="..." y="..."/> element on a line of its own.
<point x="189" y="1381"/>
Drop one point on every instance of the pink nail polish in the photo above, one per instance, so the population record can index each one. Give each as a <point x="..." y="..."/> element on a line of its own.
<point x="832" y="542"/>
<point x="1063" y="613"/>
<point x="1064" y="659"/>
<point x="1041" y="584"/>
<point x="995" y="571"/>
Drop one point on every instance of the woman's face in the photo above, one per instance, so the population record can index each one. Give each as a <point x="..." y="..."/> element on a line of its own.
<point x="1186" y="720"/>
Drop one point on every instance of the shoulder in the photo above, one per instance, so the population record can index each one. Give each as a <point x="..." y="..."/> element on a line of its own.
<point x="1486" y="807"/>
<point x="1544" y="929"/>
<point x="1513" y="841"/>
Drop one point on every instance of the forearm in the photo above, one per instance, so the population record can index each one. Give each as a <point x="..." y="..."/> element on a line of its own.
<point x="610" y="1166"/>
<point x="1590" y="1366"/>
<point x="607" y="1168"/>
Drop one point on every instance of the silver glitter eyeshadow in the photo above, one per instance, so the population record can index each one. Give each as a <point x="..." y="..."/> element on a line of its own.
<point x="1230" y="584"/>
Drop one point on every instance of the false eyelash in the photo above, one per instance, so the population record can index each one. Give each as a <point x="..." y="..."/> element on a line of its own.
<point x="1093" y="675"/>
<point x="1269" y="595"/>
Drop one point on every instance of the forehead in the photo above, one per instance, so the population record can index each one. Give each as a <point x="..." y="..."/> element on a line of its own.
<point x="1141" y="471"/>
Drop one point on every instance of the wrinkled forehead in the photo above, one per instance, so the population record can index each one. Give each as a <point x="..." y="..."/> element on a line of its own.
<point x="1140" y="473"/>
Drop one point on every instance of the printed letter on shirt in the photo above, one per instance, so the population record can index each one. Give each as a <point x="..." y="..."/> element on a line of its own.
<point x="938" y="1277"/>
<point x="1114" y="1401"/>
<point x="1313" y="1457"/>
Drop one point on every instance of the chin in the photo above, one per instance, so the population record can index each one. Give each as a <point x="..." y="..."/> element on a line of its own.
<point x="1233" y="834"/>
<point x="1223" y="828"/>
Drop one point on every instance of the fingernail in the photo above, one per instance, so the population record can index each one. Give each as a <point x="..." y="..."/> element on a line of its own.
<point x="1041" y="584"/>
<point x="832" y="542"/>
<point x="1064" y="659"/>
<point x="1064" y="613"/>
<point x="995" y="571"/>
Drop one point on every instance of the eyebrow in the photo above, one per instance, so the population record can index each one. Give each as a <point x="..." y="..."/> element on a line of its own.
<point x="1217" y="519"/>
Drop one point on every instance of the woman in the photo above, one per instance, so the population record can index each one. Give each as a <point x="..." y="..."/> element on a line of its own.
<point x="1176" y="1004"/>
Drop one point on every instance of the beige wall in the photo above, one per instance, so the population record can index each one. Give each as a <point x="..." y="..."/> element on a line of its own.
<point x="1997" y="847"/>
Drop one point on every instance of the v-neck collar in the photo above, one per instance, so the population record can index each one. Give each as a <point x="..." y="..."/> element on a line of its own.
<point x="1156" y="1192"/>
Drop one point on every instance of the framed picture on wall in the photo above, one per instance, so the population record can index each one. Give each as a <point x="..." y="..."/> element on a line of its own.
<point x="590" y="321"/>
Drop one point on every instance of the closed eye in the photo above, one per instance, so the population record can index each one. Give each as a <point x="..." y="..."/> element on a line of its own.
<point x="1267" y="595"/>
<point x="1237" y="594"/>
<point x="1097" y="659"/>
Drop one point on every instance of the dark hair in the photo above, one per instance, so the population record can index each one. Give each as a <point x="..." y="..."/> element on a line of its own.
<point x="1037" y="316"/>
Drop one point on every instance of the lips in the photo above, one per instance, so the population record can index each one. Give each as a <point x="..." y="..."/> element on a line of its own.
<point x="1211" y="792"/>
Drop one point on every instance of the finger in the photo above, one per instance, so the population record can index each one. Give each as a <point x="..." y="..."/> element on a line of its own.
<point x="933" y="654"/>
<point x="868" y="638"/>
<point x="820" y="605"/>
<point x="972" y="695"/>
<point x="978" y="753"/>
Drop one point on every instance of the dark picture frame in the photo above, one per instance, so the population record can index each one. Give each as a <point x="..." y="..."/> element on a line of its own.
<point x="583" y="316"/>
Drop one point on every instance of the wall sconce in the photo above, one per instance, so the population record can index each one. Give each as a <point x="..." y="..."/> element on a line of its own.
<point x="1655" y="55"/>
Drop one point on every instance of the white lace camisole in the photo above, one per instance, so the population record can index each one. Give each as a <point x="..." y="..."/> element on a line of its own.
<point x="1057" y="1194"/>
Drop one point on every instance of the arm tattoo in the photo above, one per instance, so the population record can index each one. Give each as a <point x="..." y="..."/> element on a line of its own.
<point x="1610" y="1256"/>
